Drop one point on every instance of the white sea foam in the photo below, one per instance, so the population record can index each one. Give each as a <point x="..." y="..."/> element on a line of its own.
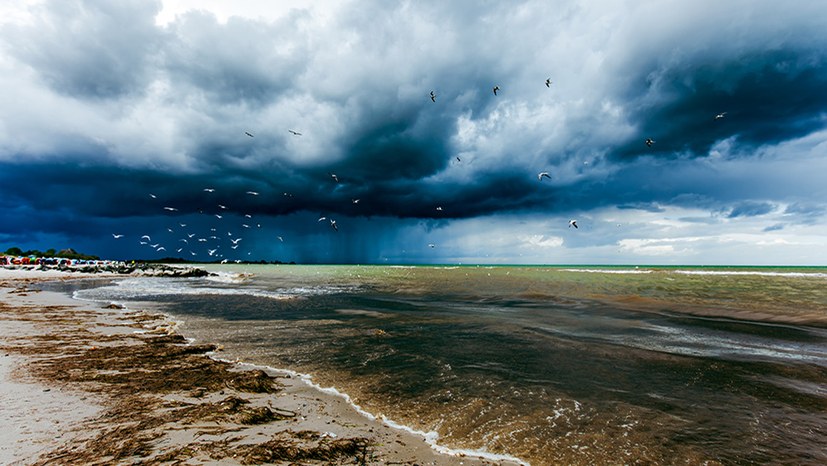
<point x="431" y="437"/>
<point x="753" y="272"/>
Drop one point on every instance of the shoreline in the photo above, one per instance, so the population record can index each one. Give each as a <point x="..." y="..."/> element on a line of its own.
<point x="119" y="371"/>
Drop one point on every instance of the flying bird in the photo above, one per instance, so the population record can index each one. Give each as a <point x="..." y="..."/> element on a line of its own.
<point x="153" y="196"/>
<point x="294" y="133"/>
<point x="116" y="236"/>
<point x="649" y="142"/>
<point x="217" y="216"/>
<point x="542" y="175"/>
<point x="431" y="245"/>
<point x="252" y="193"/>
<point x="222" y="206"/>
<point x="459" y="159"/>
<point x="171" y="209"/>
<point x="333" y="224"/>
<point x="433" y="96"/>
<point x="280" y="238"/>
<point x="335" y="178"/>
<point x="147" y="237"/>
<point x="209" y="190"/>
<point x="495" y="89"/>
<point x="720" y="115"/>
<point x="439" y="208"/>
<point x="248" y="134"/>
<point x="355" y="201"/>
<point x="548" y="82"/>
<point x="322" y="218"/>
<point x="573" y="223"/>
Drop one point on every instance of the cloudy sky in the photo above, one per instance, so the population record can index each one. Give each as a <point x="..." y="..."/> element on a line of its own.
<point x="115" y="117"/>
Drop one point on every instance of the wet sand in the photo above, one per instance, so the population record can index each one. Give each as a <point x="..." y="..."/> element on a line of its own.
<point x="87" y="385"/>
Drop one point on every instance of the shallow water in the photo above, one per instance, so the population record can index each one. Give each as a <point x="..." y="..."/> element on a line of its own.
<point x="549" y="364"/>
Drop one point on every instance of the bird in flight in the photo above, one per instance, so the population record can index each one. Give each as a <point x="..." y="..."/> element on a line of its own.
<point x="542" y="175"/>
<point x="209" y="190"/>
<point x="322" y="218"/>
<point x="573" y="223"/>
<point x="439" y="208"/>
<point x="720" y="115"/>
<point x="171" y="209"/>
<point x="649" y="142"/>
<point x="355" y="201"/>
<point x="153" y="196"/>
<point x="294" y="133"/>
<point x="495" y="89"/>
<point x="333" y="224"/>
<point x="548" y="82"/>
<point x="433" y="96"/>
<point x="217" y="216"/>
<point x="116" y="236"/>
<point x="459" y="159"/>
<point x="248" y="134"/>
<point x="252" y="193"/>
<point x="280" y="238"/>
<point x="335" y="178"/>
<point x="431" y="245"/>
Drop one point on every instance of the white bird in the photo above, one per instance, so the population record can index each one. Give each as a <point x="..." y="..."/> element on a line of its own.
<point x="147" y="237"/>
<point x="211" y="251"/>
<point x="245" y="225"/>
<point x="542" y="175"/>
<point x="116" y="236"/>
<point x="280" y="238"/>
<point x="572" y="223"/>
<point x="431" y="245"/>
<point x="252" y="193"/>
<point x="649" y="142"/>
<point x="322" y="218"/>
<point x="720" y="115"/>
<point x="222" y="206"/>
<point x="248" y="215"/>
<point x="183" y="225"/>
<point x="335" y="178"/>
<point x="209" y="190"/>
<point x="161" y="249"/>
<point x="439" y="208"/>
<point x="218" y="216"/>
<point x="235" y="241"/>
<point x="223" y="261"/>
<point x="179" y="249"/>
<point x="182" y="239"/>
<point x="169" y="230"/>
<point x="333" y="224"/>
<point x="355" y="201"/>
<point x="234" y="247"/>
<point x="190" y="235"/>
<point x="202" y="240"/>
<point x="171" y="209"/>
<point x="154" y="245"/>
<point x="153" y="196"/>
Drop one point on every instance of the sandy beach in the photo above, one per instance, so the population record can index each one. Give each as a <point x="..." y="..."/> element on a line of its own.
<point x="87" y="385"/>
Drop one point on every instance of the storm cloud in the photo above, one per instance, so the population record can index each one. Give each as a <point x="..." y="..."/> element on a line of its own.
<point x="110" y="115"/>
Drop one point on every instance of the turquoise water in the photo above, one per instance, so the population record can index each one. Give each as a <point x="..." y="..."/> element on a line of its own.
<point x="554" y="365"/>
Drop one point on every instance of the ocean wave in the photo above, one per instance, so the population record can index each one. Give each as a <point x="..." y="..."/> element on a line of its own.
<point x="614" y="271"/>
<point x="753" y="272"/>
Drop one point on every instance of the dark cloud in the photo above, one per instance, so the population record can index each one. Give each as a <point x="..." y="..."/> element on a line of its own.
<point x="751" y="209"/>
<point x="90" y="49"/>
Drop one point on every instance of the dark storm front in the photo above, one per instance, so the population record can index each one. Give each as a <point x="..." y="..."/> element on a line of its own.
<point x="550" y="365"/>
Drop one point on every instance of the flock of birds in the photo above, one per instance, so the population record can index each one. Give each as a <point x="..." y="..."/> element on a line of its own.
<point x="214" y="241"/>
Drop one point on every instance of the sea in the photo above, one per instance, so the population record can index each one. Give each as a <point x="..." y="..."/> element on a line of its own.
<point x="548" y="365"/>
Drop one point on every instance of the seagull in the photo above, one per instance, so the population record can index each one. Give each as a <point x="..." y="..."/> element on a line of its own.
<point x="245" y="225"/>
<point x="179" y="249"/>
<point x="190" y="235"/>
<point x="211" y="251"/>
<point x="543" y="174"/>
<point x="248" y="215"/>
<point x="280" y="238"/>
<point x="287" y="194"/>
<point x="433" y="96"/>
<point x="649" y="142"/>
<point x="335" y="178"/>
<point x="171" y="209"/>
<point x="183" y="225"/>
<point x="439" y="208"/>
<point x="116" y="236"/>
<point x="322" y="218"/>
<point x="252" y="193"/>
<point x="248" y="134"/>
<point x="153" y="196"/>
<point x="154" y="245"/>
<point x="147" y="237"/>
<point x="294" y="133"/>
<point x="182" y="239"/>
<point x="169" y="230"/>
<point x="222" y="206"/>
<point x="333" y="224"/>
<point x="431" y="245"/>
<point x="720" y="115"/>
<point x="209" y="190"/>
<point x="161" y="249"/>
<point x="217" y="216"/>
<point x="235" y="241"/>
<point x="496" y="88"/>
<point x="548" y="82"/>
<point x="356" y="201"/>
<point x="572" y="223"/>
